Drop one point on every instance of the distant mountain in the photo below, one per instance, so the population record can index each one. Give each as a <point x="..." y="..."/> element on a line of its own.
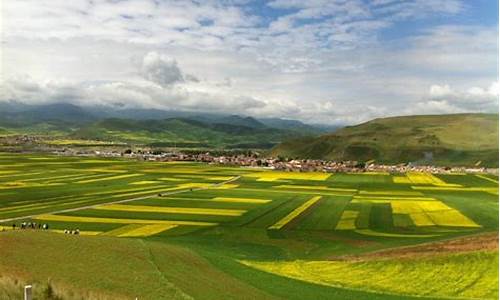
<point x="149" y="126"/>
<point x="292" y="125"/>
<point x="182" y="132"/>
<point x="24" y="114"/>
<point x="59" y="115"/>
<point x="460" y="139"/>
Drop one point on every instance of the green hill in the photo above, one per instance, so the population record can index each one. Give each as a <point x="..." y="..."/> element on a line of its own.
<point x="459" y="139"/>
<point x="184" y="133"/>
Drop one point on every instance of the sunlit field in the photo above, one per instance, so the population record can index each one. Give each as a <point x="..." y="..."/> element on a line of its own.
<point x="275" y="234"/>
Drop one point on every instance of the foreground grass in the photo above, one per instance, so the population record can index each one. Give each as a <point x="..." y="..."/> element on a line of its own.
<point x="109" y="268"/>
<point x="465" y="275"/>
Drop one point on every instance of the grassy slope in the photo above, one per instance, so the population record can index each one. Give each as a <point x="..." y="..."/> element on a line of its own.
<point x="452" y="139"/>
<point x="115" y="268"/>
<point x="469" y="275"/>
<point x="189" y="132"/>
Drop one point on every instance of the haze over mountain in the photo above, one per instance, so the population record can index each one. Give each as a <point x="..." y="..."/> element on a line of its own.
<point x="460" y="139"/>
<point x="150" y="126"/>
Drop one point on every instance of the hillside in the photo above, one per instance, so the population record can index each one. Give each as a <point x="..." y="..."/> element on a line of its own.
<point x="460" y="139"/>
<point x="184" y="132"/>
<point x="149" y="126"/>
<point x="152" y="270"/>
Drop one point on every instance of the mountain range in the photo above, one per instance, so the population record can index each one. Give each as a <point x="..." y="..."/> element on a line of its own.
<point x="151" y="126"/>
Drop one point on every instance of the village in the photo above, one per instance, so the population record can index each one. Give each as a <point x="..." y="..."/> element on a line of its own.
<point x="255" y="159"/>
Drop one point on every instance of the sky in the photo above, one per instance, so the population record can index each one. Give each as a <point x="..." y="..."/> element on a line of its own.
<point x="318" y="61"/>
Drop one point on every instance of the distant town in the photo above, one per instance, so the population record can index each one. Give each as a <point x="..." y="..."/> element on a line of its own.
<point x="243" y="158"/>
<point x="280" y="163"/>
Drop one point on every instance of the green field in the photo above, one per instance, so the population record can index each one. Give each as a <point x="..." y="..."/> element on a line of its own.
<point x="186" y="230"/>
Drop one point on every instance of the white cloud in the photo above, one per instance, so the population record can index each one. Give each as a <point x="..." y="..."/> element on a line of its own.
<point x="444" y="99"/>
<point x="161" y="69"/>
<point x="219" y="55"/>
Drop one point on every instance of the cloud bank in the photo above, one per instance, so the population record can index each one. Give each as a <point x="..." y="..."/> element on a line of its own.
<point x="330" y="61"/>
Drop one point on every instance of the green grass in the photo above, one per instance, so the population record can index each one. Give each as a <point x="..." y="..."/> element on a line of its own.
<point x="217" y="250"/>
<point x="471" y="275"/>
<point x="461" y="139"/>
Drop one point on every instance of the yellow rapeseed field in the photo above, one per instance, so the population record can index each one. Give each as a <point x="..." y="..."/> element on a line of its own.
<point x="241" y="200"/>
<point x="171" y="179"/>
<point x="110" y="178"/>
<point x="273" y="176"/>
<point x="492" y="190"/>
<point x="347" y="220"/>
<point x="295" y="213"/>
<point x="422" y="178"/>
<point x="144" y="182"/>
<point x="81" y="232"/>
<point x="225" y="186"/>
<point x="147" y="230"/>
<point x="63" y="218"/>
<point x="173" y="210"/>
<point x="428" y="213"/>
<point x="314" y="187"/>
<point x="390" y="193"/>
<point x="370" y="232"/>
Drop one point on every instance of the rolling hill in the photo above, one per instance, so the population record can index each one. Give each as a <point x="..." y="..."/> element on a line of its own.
<point x="459" y="139"/>
<point x="184" y="132"/>
<point x="149" y="126"/>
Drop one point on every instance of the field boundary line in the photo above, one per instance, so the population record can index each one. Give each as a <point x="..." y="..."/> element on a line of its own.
<point x="235" y="178"/>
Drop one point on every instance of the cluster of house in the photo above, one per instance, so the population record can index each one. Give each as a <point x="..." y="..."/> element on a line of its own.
<point x="291" y="165"/>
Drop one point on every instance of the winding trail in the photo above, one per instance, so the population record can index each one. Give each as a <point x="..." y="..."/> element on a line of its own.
<point x="235" y="178"/>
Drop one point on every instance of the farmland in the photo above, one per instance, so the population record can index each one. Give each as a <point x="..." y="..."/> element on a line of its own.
<point x="243" y="233"/>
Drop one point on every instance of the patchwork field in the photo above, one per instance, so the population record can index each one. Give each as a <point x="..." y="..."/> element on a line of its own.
<point x="272" y="233"/>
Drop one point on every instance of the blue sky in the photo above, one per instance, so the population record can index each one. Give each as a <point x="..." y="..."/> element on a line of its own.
<point x="328" y="61"/>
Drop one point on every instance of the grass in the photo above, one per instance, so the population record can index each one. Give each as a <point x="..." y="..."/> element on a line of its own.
<point x="471" y="275"/>
<point x="316" y="216"/>
<point x="295" y="213"/>
<point x="451" y="140"/>
<point x="120" y="269"/>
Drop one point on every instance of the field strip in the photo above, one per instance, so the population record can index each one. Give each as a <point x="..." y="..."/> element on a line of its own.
<point x="370" y="232"/>
<point x="492" y="190"/>
<point x="295" y="213"/>
<point x="173" y="210"/>
<point x="144" y="182"/>
<point x="347" y="220"/>
<point x="47" y="217"/>
<point x="368" y="198"/>
<point x="110" y="178"/>
<point x="486" y="178"/>
<point x="147" y="230"/>
<point x="240" y="200"/>
<point x="9" y="171"/>
<point x="390" y="193"/>
<point x="101" y="193"/>
<point x="121" y="229"/>
<point x="53" y="177"/>
<point x="120" y="201"/>
<point x="88" y="176"/>
<point x="23" y="174"/>
<point x="22" y="185"/>
<point x="90" y="233"/>
<point x="312" y="187"/>
<point x="171" y="188"/>
<point x="294" y="192"/>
